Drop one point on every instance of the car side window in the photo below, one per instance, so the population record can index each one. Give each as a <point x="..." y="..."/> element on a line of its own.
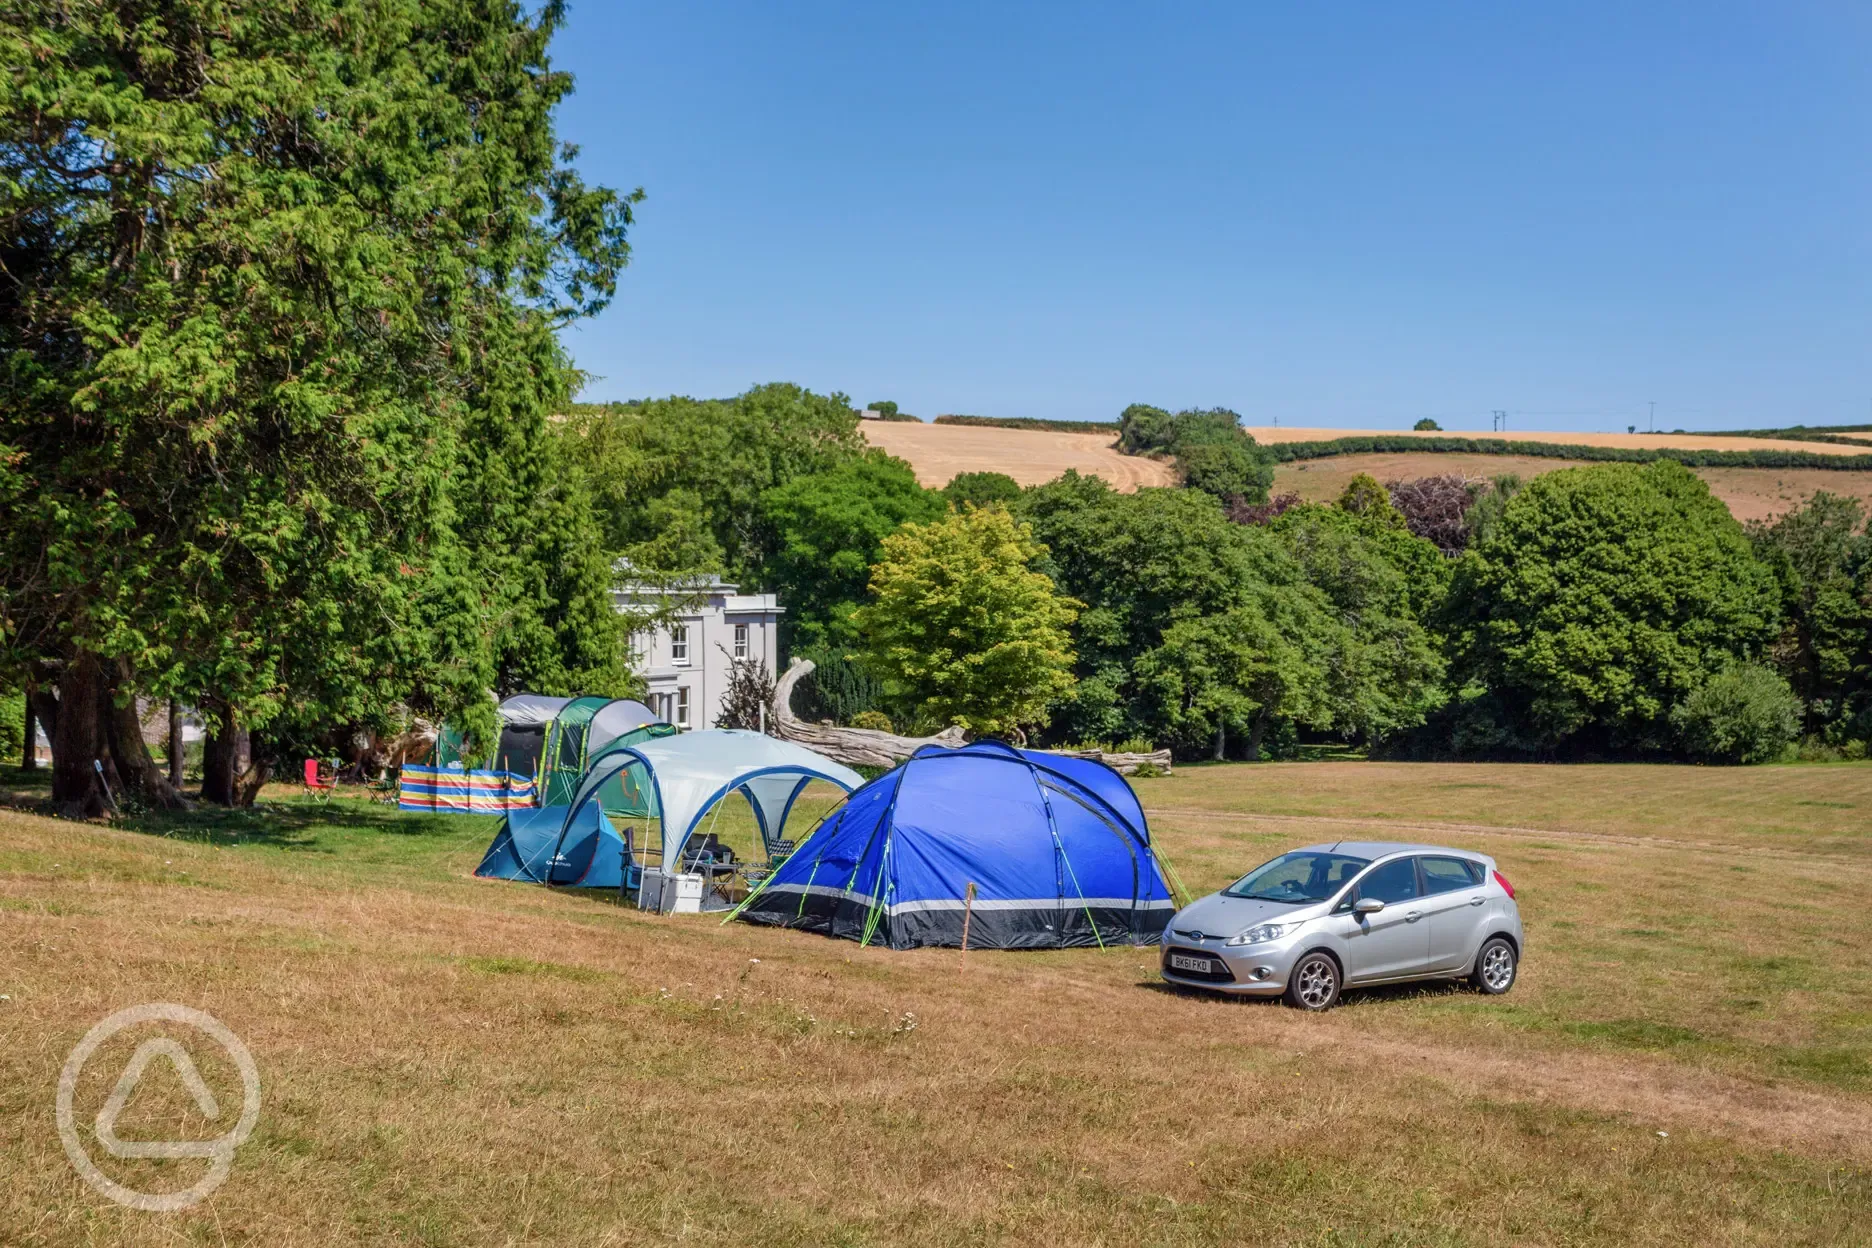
<point x="1446" y="875"/>
<point x="1393" y="882"/>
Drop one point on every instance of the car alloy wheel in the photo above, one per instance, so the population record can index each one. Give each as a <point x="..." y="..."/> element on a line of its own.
<point x="1495" y="967"/>
<point x="1314" y="983"/>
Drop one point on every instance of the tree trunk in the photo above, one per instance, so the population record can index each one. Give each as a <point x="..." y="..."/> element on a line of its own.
<point x="29" y="757"/>
<point x="218" y="762"/>
<point x="1256" y="731"/>
<point x="135" y="768"/>
<point x="77" y="743"/>
<point x="230" y="776"/>
<point x="175" y="743"/>
<point x="1221" y="739"/>
<point x="251" y="780"/>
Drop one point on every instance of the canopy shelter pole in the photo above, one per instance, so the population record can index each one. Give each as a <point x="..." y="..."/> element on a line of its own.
<point x="800" y="845"/>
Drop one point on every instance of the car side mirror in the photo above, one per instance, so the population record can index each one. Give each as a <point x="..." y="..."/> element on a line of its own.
<point x="1367" y="905"/>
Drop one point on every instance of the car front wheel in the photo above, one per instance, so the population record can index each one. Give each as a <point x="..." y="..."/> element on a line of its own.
<point x="1313" y="983"/>
<point x="1495" y="967"/>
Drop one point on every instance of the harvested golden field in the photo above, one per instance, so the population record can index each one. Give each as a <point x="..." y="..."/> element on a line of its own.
<point x="1270" y="434"/>
<point x="1030" y="456"/>
<point x="1687" y="1058"/>
<point x="1751" y="493"/>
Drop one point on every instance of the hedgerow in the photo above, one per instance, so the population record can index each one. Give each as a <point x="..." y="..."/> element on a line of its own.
<point x="1288" y="452"/>
<point x="1029" y="422"/>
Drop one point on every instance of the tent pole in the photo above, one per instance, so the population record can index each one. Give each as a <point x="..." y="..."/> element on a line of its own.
<point x="968" y="912"/>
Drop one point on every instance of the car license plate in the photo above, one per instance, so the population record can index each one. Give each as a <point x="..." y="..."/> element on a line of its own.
<point x="1190" y="962"/>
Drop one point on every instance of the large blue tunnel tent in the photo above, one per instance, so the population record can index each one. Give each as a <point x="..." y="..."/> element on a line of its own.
<point x="669" y="782"/>
<point x="1057" y="849"/>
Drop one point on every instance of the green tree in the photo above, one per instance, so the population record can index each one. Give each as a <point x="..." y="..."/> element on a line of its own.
<point x="725" y="453"/>
<point x="1385" y="668"/>
<point x="1426" y="425"/>
<point x="1143" y="429"/>
<point x="962" y="628"/>
<point x="1243" y="670"/>
<point x="1228" y="469"/>
<point x="1600" y="600"/>
<point x="885" y="408"/>
<point x="1365" y="498"/>
<point x="826" y="530"/>
<point x="1745" y="714"/>
<point x="275" y="274"/>
<point x="981" y="488"/>
<point x="1821" y="555"/>
<point x="1142" y="563"/>
<point x="1213" y="453"/>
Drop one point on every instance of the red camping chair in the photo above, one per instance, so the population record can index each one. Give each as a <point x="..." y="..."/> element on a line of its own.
<point x="317" y="784"/>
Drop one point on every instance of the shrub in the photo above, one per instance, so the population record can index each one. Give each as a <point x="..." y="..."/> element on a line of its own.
<point x="1231" y="469"/>
<point x="1746" y="714"/>
<point x="1365" y="498"/>
<point x="981" y="488"/>
<point x="877" y="721"/>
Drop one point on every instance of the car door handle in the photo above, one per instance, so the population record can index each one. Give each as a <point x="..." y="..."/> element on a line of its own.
<point x="1476" y="901"/>
<point x="1413" y="916"/>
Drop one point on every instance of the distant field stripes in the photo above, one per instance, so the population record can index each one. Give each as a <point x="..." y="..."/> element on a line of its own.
<point x="449" y="790"/>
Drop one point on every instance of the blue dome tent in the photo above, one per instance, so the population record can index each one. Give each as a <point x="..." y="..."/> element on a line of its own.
<point x="1056" y="848"/>
<point x="671" y="780"/>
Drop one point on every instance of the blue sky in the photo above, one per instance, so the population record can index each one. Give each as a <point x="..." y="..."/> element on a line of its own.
<point x="1349" y="215"/>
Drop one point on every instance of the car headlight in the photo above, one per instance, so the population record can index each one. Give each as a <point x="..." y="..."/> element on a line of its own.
<point x="1259" y="935"/>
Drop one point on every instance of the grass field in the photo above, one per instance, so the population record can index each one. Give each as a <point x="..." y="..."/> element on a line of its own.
<point x="1687" y="1059"/>
<point x="1031" y="457"/>
<point x="1750" y="493"/>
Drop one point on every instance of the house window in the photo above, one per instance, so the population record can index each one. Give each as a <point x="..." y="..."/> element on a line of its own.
<point x="740" y="641"/>
<point x="682" y="707"/>
<point x="679" y="645"/>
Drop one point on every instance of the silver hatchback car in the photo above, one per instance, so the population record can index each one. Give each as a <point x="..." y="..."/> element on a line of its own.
<point x="1350" y="914"/>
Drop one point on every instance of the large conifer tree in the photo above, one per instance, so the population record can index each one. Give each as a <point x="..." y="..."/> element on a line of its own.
<point x="280" y="291"/>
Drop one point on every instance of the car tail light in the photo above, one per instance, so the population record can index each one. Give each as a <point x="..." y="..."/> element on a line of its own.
<point x="1502" y="880"/>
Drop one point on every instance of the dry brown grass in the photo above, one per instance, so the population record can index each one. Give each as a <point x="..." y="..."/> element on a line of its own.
<point x="1030" y="456"/>
<point x="456" y="1061"/>
<point x="1750" y="493"/>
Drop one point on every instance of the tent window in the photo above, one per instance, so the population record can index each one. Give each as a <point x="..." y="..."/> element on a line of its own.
<point x="679" y="644"/>
<point x="740" y="641"/>
<point x="682" y="707"/>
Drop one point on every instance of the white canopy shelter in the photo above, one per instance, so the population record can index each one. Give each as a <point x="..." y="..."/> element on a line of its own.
<point x="693" y="771"/>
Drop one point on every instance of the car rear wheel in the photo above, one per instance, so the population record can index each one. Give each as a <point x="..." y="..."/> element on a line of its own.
<point x="1495" y="966"/>
<point x="1314" y="983"/>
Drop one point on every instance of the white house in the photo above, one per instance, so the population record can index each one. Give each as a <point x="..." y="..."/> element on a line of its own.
<point x="686" y="663"/>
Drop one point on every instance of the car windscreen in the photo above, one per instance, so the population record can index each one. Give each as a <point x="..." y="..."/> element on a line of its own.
<point x="1304" y="876"/>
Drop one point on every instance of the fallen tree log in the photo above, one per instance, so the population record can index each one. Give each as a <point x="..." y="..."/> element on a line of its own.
<point x="855" y="747"/>
<point x="868" y="747"/>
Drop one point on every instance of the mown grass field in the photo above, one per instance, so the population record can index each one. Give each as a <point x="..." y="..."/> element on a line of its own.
<point x="452" y="1061"/>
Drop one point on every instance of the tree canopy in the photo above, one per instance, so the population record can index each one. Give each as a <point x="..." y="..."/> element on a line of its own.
<point x="962" y="628"/>
<point x="1601" y="598"/>
<point x="284" y="287"/>
<point x="826" y="530"/>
